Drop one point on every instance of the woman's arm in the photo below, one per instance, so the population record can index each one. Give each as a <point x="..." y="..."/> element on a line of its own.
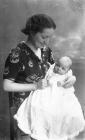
<point x="70" y="79"/>
<point x="69" y="82"/>
<point x="11" y="86"/>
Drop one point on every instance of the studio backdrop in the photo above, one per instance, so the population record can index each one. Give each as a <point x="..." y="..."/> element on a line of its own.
<point x="69" y="39"/>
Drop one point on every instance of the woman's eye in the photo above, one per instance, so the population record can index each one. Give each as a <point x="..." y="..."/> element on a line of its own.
<point x="45" y="37"/>
<point x="58" y="65"/>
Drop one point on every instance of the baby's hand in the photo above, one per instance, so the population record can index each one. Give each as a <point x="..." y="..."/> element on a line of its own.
<point x="38" y="84"/>
<point x="60" y="84"/>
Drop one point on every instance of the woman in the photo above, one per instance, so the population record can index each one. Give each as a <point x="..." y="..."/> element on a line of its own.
<point x="27" y="64"/>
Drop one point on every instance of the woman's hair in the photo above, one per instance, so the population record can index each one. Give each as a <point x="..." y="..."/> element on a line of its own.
<point x="37" y="23"/>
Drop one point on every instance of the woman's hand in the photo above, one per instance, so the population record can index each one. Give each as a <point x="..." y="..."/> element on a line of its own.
<point x="69" y="82"/>
<point x="41" y="84"/>
<point x="38" y="84"/>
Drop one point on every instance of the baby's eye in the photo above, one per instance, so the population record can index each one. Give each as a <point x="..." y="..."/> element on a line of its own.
<point x="45" y="37"/>
<point x="63" y="68"/>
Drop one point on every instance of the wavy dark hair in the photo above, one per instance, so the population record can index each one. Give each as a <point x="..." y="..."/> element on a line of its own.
<point x="37" y="23"/>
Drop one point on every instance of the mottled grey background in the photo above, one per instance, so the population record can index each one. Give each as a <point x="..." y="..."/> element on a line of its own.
<point x="69" y="39"/>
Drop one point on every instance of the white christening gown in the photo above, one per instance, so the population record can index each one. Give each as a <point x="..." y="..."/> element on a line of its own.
<point x="52" y="113"/>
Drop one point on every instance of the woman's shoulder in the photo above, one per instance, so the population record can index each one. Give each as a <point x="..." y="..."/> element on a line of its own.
<point x="17" y="52"/>
<point x="22" y="46"/>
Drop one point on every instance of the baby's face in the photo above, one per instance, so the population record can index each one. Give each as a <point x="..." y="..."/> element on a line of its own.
<point x="60" y="68"/>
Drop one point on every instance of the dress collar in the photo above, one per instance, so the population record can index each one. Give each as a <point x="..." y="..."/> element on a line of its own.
<point x="37" y="52"/>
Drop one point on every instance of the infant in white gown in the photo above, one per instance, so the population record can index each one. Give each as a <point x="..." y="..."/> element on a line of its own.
<point x="54" y="112"/>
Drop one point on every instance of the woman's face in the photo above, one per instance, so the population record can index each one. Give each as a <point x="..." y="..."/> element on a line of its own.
<point x="42" y="39"/>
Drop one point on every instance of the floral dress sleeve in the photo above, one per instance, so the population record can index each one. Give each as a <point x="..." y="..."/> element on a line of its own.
<point x="12" y="64"/>
<point x="23" y="66"/>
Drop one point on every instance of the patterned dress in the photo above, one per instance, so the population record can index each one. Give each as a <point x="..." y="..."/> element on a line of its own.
<point x="23" y="66"/>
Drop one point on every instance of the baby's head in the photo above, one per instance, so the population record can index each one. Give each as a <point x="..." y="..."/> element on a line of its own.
<point x="62" y="65"/>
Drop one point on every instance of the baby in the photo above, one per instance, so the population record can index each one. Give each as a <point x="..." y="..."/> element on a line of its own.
<point x="63" y="68"/>
<point x="54" y="111"/>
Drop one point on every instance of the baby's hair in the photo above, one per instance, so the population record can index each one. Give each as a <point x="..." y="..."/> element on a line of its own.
<point x="66" y="60"/>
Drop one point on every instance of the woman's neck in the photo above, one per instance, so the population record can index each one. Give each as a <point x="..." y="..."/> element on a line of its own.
<point x="36" y="50"/>
<point x="31" y="46"/>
